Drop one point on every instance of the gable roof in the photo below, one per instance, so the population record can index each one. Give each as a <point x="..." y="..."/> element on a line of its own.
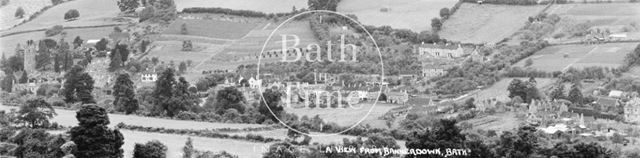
<point x="440" y="46"/>
<point x="606" y="101"/>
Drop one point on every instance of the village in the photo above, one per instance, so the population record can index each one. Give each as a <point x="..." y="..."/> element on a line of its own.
<point x="219" y="80"/>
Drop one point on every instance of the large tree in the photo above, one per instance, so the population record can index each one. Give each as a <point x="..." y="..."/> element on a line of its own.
<point x="78" y="86"/>
<point x="127" y="5"/>
<point x="323" y="4"/>
<point x="37" y="143"/>
<point x="36" y="113"/>
<point x="152" y="149"/>
<point x="270" y="100"/>
<point x="92" y="136"/>
<point x="575" y="95"/>
<point x="445" y="135"/>
<point x="229" y="98"/>
<point x="124" y="95"/>
<point x="526" y="90"/>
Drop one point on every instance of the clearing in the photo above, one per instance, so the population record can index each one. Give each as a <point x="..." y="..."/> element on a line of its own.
<point x="486" y="23"/>
<point x="561" y="57"/>
<point x="415" y="15"/>
<point x="267" y="6"/>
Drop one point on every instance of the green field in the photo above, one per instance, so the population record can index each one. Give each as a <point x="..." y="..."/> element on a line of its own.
<point x="267" y="6"/>
<point x="68" y="118"/>
<point x="349" y="116"/>
<point x="486" y="23"/>
<point x="211" y="28"/>
<point x="415" y="15"/>
<point x="579" y="56"/>
<point x="618" y="18"/>
<point x="499" y="89"/>
<point x="92" y="13"/>
<point x="7" y="18"/>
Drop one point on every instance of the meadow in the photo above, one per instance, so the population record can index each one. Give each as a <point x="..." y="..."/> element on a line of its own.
<point x="621" y="18"/>
<point x="499" y="89"/>
<point x="486" y="23"/>
<point x="267" y="6"/>
<point x="349" y="116"/>
<point x="415" y="15"/>
<point x="67" y="118"/>
<point x="92" y="13"/>
<point x="562" y="57"/>
<point x="211" y="28"/>
<point x="7" y="18"/>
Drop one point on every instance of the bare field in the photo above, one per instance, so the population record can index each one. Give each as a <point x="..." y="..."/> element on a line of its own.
<point x="8" y="43"/>
<point x="486" y="23"/>
<point x="415" y="15"/>
<point x="92" y="13"/>
<point x="498" y="122"/>
<point x="267" y="6"/>
<point x="172" y="50"/>
<point x="579" y="56"/>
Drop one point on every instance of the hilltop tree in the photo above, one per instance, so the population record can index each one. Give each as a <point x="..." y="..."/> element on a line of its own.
<point x="436" y="24"/>
<point x="71" y="14"/>
<point x="182" y="68"/>
<point x="323" y="4"/>
<point x="127" y="5"/>
<point x="124" y="95"/>
<point x="92" y="136"/>
<point x="19" y="13"/>
<point x="445" y="13"/>
<point x="36" y="112"/>
<point x="575" y="95"/>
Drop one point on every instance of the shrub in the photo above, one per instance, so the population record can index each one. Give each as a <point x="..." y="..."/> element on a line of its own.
<point x="186" y="115"/>
<point x="558" y="35"/>
<point x="152" y="149"/>
<point x="56" y="2"/>
<point x="71" y="14"/>
<point x="55" y="30"/>
<point x="19" y="13"/>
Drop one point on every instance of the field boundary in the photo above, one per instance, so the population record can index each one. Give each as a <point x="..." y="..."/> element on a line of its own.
<point x="70" y="27"/>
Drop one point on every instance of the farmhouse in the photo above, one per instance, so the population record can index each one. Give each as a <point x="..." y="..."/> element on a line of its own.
<point x="149" y="76"/>
<point x="446" y="51"/>
<point x="632" y="110"/>
<point x="397" y="97"/>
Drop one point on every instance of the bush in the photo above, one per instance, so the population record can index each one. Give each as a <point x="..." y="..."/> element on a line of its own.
<point x="55" y="30"/>
<point x="56" y="2"/>
<point x="558" y="35"/>
<point x="152" y="149"/>
<point x="71" y="14"/>
<point x="19" y="13"/>
<point x="186" y="115"/>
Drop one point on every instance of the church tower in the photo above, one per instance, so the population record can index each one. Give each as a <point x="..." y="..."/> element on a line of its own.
<point x="30" y="57"/>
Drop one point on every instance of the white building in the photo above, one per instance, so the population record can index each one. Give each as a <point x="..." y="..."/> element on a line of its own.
<point x="150" y="76"/>
<point x="632" y="110"/>
<point x="448" y="51"/>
